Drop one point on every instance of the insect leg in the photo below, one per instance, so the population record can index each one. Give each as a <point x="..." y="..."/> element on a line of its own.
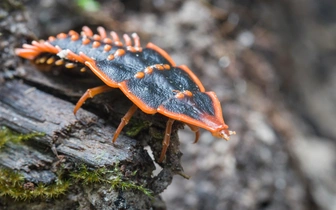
<point x="166" y="140"/>
<point x="90" y="93"/>
<point x="124" y="121"/>
<point x="195" y="129"/>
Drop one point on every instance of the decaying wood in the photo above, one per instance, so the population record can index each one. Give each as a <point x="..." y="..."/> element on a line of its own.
<point x="26" y="109"/>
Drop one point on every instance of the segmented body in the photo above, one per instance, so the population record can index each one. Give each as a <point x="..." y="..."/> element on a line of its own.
<point x="148" y="77"/>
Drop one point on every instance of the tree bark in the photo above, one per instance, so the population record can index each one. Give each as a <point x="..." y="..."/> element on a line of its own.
<point x="27" y="109"/>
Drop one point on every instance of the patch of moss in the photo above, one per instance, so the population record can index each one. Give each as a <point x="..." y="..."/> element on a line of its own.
<point x="12" y="184"/>
<point x="7" y="135"/>
<point x="113" y="177"/>
<point x="136" y="127"/>
<point x="118" y="183"/>
<point x="156" y="133"/>
<point x="87" y="176"/>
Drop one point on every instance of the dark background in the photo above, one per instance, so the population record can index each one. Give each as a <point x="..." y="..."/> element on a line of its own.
<point x="272" y="64"/>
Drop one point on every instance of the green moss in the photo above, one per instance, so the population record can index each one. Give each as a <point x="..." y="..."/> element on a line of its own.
<point x="113" y="177"/>
<point x="136" y="126"/>
<point x="12" y="184"/>
<point x="117" y="183"/>
<point x="86" y="176"/>
<point x="7" y="135"/>
<point x="156" y="133"/>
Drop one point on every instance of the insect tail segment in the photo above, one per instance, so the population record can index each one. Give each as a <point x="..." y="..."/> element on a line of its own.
<point x="30" y="52"/>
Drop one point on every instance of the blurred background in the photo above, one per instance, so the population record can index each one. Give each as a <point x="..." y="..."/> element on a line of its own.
<point x="271" y="63"/>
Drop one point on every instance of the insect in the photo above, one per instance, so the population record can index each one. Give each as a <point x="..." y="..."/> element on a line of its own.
<point x="147" y="76"/>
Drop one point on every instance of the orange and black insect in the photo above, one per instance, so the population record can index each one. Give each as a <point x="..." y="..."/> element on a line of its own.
<point x="147" y="76"/>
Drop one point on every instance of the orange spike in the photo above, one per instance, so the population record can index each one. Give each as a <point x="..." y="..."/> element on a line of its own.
<point x="131" y="49"/>
<point x="87" y="31"/>
<point x="50" y="60"/>
<point x="102" y="32"/>
<point x="179" y="95"/>
<point x="29" y="46"/>
<point x="166" y="66"/>
<point x="95" y="44"/>
<point x="107" y="48"/>
<point x="74" y="37"/>
<point x="41" y="60"/>
<point x="110" y="57"/>
<point x="149" y="70"/>
<point x="72" y="32"/>
<point x="115" y="36"/>
<point x="74" y="57"/>
<point x="51" y="48"/>
<point x="107" y="41"/>
<point x="136" y="39"/>
<point x="128" y="40"/>
<point x="139" y="75"/>
<point x="62" y="36"/>
<point x="116" y="39"/>
<point x="70" y="65"/>
<point x="188" y="93"/>
<point x="85" y="41"/>
<point x="51" y="38"/>
<point x="59" y="62"/>
<point x="58" y="48"/>
<point x="159" y="67"/>
<point x="96" y="37"/>
<point x="118" y="43"/>
<point x="119" y="52"/>
<point x="40" y="46"/>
